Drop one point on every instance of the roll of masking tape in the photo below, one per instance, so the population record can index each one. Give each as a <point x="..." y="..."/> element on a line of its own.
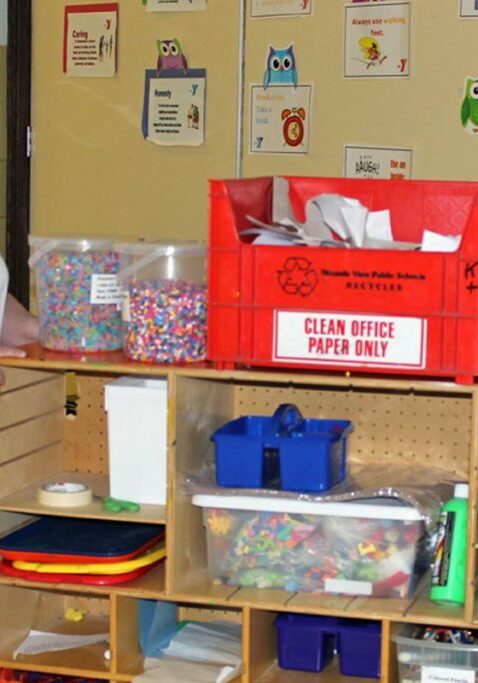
<point x="64" y="494"/>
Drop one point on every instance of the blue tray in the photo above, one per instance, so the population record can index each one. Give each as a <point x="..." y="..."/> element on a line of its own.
<point x="50" y="538"/>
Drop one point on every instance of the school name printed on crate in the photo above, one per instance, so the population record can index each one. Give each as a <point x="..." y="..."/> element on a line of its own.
<point x="312" y="337"/>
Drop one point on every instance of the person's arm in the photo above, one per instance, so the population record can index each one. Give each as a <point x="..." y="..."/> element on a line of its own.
<point x="19" y="327"/>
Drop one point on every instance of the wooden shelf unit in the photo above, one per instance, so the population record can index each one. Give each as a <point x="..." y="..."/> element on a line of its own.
<point x="397" y="422"/>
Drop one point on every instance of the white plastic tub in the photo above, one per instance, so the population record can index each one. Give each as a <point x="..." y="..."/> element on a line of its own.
<point x="355" y="548"/>
<point x="432" y="661"/>
<point x="137" y="439"/>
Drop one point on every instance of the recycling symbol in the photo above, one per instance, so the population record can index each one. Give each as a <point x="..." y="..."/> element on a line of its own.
<point x="297" y="276"/>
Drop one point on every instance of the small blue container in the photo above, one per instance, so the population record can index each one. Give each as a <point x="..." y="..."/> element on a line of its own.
<point x="284" y="451"/>
<point x="359" y="646"/>
<point x="305" y="643"/>
<point x="308" y="643"/>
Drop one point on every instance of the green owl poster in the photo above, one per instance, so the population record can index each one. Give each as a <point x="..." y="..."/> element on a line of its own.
<point x="469" y="106"/>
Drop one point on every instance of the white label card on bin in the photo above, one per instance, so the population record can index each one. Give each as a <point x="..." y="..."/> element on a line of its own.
<point x="439" y="674"/>
<point x="105" y="289"/>
<point x="340" y="338"/>
<point x="348" y="586"/>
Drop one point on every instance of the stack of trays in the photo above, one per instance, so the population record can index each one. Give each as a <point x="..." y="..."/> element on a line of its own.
<point x="82" y="551"/>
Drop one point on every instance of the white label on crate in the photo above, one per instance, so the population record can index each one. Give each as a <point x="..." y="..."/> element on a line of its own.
<point x="349" y="587"/>
<point x="438" y="674"/>
<point x="105" y="289"/>
<point x="343" y="338"/>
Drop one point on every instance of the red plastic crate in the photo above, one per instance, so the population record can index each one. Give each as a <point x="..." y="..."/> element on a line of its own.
<point x="363" y="310"/>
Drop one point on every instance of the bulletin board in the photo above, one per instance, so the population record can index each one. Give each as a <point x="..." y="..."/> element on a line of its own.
<point x="419" y="112"/>
<point x="93" y="172"/>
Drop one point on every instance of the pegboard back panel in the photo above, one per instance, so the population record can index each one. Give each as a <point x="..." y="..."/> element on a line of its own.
<point x="86" y="435"/>
<point x="390" y="426"/>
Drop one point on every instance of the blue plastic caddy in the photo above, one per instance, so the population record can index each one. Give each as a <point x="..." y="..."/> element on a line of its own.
<point x="284" y="451"/>
<point x="308" y="643"/>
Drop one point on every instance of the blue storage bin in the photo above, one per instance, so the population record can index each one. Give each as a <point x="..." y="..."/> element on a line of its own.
<point x="359" y="645"/>
<point x="305" y="643"/>
<point x="308" y="643"/>
<point x="284" y="451"/>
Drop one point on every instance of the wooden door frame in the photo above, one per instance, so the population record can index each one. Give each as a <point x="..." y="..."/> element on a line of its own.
<point x="18" y="162"/>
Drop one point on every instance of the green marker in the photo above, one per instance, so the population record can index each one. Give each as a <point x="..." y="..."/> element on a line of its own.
<point x="449" y="563"/>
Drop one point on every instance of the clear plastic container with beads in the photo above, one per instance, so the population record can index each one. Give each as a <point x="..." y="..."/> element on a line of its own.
<point x="78" y="292"/>
<point x="164" y="301"/>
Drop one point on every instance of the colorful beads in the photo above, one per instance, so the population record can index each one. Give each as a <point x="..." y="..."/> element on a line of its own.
<point x="166" y="322"/>
<point x="71" y="286"/>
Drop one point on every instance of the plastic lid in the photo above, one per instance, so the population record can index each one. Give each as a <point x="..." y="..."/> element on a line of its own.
<point x="76" y="243"/>
<point x="161" y="248"/>
<point x="461" y="491"/>
<point x="149" y="252"/>
<point x="43" y="245"/>
<point x="368" y="508"/>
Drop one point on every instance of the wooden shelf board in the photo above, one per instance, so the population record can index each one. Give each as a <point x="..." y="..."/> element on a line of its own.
<point x="324" y="603"/>
<point x="71" y="661"/>
<point x="117" y="363"/>
<point x="65" y="670"/>
<point x="264" y="598"/>
<point x="418" y="610"/>
<point x="25" y="501"/>
<point x="331" y="674"/>
<point x="149" y="586"/>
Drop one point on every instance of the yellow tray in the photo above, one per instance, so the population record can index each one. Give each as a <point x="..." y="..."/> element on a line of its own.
<point x="151" y="556"/>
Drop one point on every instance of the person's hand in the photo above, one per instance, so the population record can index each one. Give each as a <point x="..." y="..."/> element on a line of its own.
<point x="11" y="352"/>
<point x="19" y="327"/>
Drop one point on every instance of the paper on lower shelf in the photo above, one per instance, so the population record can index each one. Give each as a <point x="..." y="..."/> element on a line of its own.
<point x="198" y="653"/>
<point x="178" y="671"/>
<point x="42" y="641"/>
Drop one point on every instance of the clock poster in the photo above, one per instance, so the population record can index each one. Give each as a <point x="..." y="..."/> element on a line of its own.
<point x="280" y="107"/>
<point x="280" y="117"/>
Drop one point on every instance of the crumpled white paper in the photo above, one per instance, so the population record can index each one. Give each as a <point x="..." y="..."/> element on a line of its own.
<point x="333" y="220"/>
<point x="199" y="653"/>
<point x="43" y="641"/>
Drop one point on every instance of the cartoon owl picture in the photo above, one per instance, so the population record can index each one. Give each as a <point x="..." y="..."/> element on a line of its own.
<point x="281" y="68"/>
<point x="171" y="55"/>
<point x="469" y="106"/>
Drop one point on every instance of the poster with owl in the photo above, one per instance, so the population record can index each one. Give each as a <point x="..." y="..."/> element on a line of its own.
<point x="469" y="106"/>
<point x="281" y="67"/>
<point x="171" y="55"/>
<point x="280" y="106"/>
<point x="174" y="107"/>
<point x="377" y="40"/>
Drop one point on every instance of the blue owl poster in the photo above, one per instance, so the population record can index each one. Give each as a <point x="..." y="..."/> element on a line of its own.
<point x="174" y="107"/>
<point x="280" y="107"/>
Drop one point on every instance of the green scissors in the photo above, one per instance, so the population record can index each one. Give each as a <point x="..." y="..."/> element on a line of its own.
<point x="116" y="505"/>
